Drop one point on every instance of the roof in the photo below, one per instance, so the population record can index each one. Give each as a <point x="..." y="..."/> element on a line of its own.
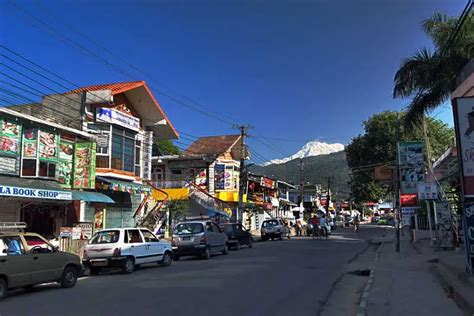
<point x="131" y="89"/>
<point x="116" y="88"/>
<point x="216" y="145"/>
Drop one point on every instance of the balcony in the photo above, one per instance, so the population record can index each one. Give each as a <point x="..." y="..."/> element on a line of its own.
<point x="176" y="190"/>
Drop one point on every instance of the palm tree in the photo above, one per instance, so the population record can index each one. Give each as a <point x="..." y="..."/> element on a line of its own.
<point x="428" y="77"/>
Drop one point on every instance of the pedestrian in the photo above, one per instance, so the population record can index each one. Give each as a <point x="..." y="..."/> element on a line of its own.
<point x="298" y="228"/>
<point x="322" y="224"/>
<point x="315" y="224"/>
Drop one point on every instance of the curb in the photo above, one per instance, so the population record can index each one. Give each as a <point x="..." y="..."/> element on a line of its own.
<point x="365" y="294"/>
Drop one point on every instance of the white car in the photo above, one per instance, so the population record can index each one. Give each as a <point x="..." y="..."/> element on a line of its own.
<point x="125" y="248"/>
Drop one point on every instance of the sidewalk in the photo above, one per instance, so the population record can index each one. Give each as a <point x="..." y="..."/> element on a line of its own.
<point x="405" y="285"/>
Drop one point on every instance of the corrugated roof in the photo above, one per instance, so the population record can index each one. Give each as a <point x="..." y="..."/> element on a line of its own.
<point x="116" y="88"/>
<point x="212" y="145"/>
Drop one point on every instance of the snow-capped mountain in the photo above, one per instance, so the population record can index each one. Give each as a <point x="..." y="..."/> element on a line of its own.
<point x="313" y="148"/>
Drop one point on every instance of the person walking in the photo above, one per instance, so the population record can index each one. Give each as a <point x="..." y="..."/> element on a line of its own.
<point x="315" y="224"/>
<point x="356" y="223"/>
<point x="322" y="224"/>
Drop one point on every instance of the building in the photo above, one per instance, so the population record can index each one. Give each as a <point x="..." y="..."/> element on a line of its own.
<point x="46" y="171"/>
<point x="206" y="174"/>
<point x="126" y="119"/>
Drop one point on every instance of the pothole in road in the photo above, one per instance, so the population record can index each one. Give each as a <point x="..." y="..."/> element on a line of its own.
<point x="364" y="272"/>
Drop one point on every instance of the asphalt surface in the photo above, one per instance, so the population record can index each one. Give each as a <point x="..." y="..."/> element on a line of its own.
<point x="290" y="277"/>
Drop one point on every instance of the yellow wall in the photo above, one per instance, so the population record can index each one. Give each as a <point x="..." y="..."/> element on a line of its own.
<point x="173" y="194"/>
<point x="231" y="196"/>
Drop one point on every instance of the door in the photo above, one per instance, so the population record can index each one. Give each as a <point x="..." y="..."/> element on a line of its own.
<point x="220" y="237"/>
<point x="211" y="236"/>
<point x="136" y="245"/>
<point x="153" y="245"/>
<point x="243" y="235"/>
<point x="46" y="264"/>
<point x="14" y="262"/>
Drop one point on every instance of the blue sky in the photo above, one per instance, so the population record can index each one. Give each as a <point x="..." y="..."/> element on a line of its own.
<point x="294" y="70"/>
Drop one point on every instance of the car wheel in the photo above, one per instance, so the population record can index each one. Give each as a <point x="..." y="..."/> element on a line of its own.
<point x="207" y="254"/>
<point x="69" y="277"/>
<point x="129" y="266"/>
<point x="3" y="288"/>
<point x="250" y="244"/>
<point x="226" y="250"/>
<point x="237" y="246"/>
<point x="166" y="261"/>
<point x="94" y="270"/>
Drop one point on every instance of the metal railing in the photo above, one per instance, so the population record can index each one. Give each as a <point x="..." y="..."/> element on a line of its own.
<point x="170" y="184"/>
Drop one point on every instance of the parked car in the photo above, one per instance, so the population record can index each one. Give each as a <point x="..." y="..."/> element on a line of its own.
<point x="237" y="235"/>
<point x="274" y="228"/>
<point x="27" y="259"/>
<point x="198" y="238"/>
<point x="126" y="248"/>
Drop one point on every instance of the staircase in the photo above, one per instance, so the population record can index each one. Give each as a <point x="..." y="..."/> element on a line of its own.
<point x="148" y="213"/>
<point x="206" y="200"/>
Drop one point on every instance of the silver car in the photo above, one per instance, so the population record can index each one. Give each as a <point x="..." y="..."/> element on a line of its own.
<point x="198" y="238"/>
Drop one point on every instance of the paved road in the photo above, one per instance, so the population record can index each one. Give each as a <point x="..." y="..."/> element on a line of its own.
<point x="290" y="277"/>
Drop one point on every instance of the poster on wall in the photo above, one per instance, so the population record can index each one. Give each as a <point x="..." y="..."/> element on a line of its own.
<point x="201" y="179"/>
<point x="48" y="148"/>
<point x="66" y="151"/>
<point x="30" y="143"/>
<point x="84" y="165"/>
<point x="229" y="173"/>
<point x="411" y="160"/>
<point x="99" y="219"/>
<point x="219" y="177"/>
<point x="9" y="165"/>
<point x="10" y="137"/>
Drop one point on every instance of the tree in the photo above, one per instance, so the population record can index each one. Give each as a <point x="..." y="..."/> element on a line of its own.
<point x="429" y="77"/>
<point x="164" y="147"/>
<point x="378" y="145"/>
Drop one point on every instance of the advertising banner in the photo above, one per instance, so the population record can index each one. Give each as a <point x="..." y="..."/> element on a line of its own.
<point x="427" y="191"/>
<point x="99" y="219"/>
<point x="410" y="155"/>
<point x="219" y="177"/>
<point x="201" y="179"/>
<point x="267" y="183"/>
<point x="228" y="175"/>
<point x="84" y="165"/>
<point x="30" y="143"/>
<point x="116" y="117"/>
<point x="408" y="200"/>
<point x="64" y="169"/>
<point x="48" y="147"/>
<point x="469" y="233"/>
<point x="10" y="134"/>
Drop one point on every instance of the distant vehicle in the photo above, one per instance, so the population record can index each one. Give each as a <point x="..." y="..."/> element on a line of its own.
<point x="126" y="248"/>
<point x="274" y="228"/>
<point x="237" y="235"/>
<point x="198" y="238"/>
<point x="27" y="259"/>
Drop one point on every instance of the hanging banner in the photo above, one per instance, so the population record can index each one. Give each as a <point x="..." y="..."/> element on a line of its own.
<point x="64" y="169"/>
<point x="84" y="165"/>
<point x="219" y="177"/>
<point x="410" y="155"/>
<point x="10" y="133"/>
<point x="48" y="147"/>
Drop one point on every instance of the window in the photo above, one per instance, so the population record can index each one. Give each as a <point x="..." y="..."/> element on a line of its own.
<point x="176" y="171"/>
<point x="209" y="227"/>
<point x="124" y="150"/>
<point x="11" y="246"/>
<point x="47" y="169"/>
<point x="138" y="158"/>
<point x="149" y="237"/>
<point x="105" y="237"/>
<point x="188" y="228"/>
<point x="134" y="236"/>
<point x="37" y="244"/>
<point x="216" y="228"/>
<point x="102" y="162"/>
<point x="29" y="168"/>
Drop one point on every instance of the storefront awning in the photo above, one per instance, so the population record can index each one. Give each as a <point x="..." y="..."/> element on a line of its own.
<point x="91" y="197"/>
<point x="122" y="186"/>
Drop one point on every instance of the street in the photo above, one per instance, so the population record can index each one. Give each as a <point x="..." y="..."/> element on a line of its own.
<point x="286" y="277"/>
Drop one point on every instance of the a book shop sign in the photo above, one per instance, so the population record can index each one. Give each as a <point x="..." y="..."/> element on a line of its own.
<point x="34" y="193"/>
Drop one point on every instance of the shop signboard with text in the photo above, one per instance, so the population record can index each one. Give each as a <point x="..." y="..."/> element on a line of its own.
<point x="119" y="118"/>
<point x="410" y="155"/>
<point x="427" y="191"/>
<point x="408" y="200"/>
<point x="11" y="191"/>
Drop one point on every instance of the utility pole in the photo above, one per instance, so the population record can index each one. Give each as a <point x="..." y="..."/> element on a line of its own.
<point x="328" y="197"/>
<point x="397" y="188"/>
<point x="301" y="184"/>
<point x="428" y="165"/>
<point x="243" y="172"/>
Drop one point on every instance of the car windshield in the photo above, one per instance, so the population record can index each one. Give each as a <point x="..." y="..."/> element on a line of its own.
<point x="188" y="228"/>
<point x="106" y="237"/>
<point x="270" y="223"/>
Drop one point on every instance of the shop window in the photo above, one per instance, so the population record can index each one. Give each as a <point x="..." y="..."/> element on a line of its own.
<point x="123" y="150"/>
<point x="29" y="168"/>
<point x="102" y="162"/>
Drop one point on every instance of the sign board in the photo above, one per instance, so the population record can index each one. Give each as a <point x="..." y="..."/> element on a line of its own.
<point x="86" y="228"/>
<point x="267" y="183"/>
<point x="65" y="232"/>
<point x="76" y="233"/>
<point x="408" y="200"/>
<point x="8" y="165"/>
<point x="444" y="217"/>
<point x="116" y="117"/>
<point x="10" y="191"/>
<point x="427" y="191"/>
<point x="469" y="232"/>
<point x="408" y="211"/>
<point x="382" y="173"/>
<point x="410" y="155"/>
<point x="219" y="177"/>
